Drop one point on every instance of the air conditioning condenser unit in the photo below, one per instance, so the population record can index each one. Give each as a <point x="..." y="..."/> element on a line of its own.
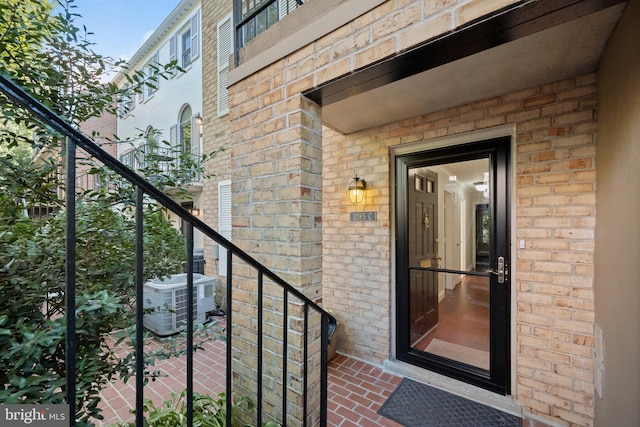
<point x="165" y="302"/>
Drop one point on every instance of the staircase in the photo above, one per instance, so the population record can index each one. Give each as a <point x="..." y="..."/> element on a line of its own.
<point x="299" y="378"/>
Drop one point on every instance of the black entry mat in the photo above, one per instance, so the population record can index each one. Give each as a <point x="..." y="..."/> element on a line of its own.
<point x="414" y="404"/>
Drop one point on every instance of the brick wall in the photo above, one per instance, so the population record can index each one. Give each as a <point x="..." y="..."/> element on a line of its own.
<point x="555" y="153"/>
<point x="555" y="162"/>
<point x="556" y="218"/>
<point x="279" y="150"/>
<point x="215" y="129"/>
<point x="105" y="128"/>
<point x="101" y="130"/>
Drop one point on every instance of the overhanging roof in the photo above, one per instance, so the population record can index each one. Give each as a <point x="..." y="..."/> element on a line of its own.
<point x="526" y="45"/>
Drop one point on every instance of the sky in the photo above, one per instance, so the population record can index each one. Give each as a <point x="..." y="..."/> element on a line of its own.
<point x="120" y="27"/>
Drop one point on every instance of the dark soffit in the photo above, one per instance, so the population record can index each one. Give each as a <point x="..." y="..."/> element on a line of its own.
<point x="500" y="27"/>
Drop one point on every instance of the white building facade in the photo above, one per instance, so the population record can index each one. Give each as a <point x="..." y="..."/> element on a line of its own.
<point x="164" y="121"/>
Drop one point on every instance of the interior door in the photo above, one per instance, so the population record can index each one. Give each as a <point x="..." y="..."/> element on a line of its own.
<point x="461" y="329"/>
<point x="423" y="223"/>
<point x="482" y="236"/>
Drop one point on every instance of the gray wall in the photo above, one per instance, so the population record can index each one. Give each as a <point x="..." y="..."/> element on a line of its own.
<point x="617" y="261"/>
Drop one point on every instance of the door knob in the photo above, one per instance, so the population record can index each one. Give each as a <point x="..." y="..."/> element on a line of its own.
<point x="501" y="270"/>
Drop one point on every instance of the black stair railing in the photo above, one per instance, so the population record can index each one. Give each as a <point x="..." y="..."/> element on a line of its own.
<point x="75" y="140"/>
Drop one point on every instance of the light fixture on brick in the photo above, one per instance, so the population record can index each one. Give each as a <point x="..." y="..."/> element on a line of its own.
<point x="199" y="123"/>
<point x="356" y="189"/>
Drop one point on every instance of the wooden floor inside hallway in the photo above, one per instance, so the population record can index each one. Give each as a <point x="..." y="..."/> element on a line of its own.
<point x="463" y="315"/>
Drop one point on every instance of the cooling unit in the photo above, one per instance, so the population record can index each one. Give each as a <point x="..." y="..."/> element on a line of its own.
<point x="165" y="302"/>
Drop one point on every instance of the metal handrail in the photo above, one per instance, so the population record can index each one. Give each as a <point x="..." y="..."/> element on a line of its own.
<point x="143" y="187"/>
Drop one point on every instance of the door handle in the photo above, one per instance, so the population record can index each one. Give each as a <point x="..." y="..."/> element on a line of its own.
<point x="501" y="270"/>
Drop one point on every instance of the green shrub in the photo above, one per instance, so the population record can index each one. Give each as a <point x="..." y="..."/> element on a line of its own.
<point x="32" y="301"/>
<point x="208" y="411"/>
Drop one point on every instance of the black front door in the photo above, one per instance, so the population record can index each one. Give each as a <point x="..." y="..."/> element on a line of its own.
<point x="453" y="304"/>
<point x="423" y="250"/>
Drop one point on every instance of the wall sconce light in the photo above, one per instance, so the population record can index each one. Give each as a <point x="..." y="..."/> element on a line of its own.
<point x="194" y="211"/>
<point x="199" y="123"/>
<point x="356" y="190"/>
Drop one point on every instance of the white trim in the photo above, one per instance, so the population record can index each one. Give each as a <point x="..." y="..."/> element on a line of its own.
<point x="447" y="141"/>
<point x="225" y="226"/>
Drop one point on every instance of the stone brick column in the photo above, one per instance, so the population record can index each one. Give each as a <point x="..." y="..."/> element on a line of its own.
<point x="276" y="165"/>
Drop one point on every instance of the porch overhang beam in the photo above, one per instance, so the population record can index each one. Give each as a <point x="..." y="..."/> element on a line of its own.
<point x="500" y="27"/>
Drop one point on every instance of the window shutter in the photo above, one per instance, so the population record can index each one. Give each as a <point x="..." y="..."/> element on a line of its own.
<point x="195" y="136"/>
<point x="131" y="98"/>
<point x="173" y="136"/>
<point x="124" y="106"/>
<point x="224" y="222"/>
<point x="285" y="7"/>
<point x="195" y="36"/>
<point x="173" y="51"/>
<point x="225" y="50"/>
<point x="155" y="62"/>
<point x="141" y="94"/>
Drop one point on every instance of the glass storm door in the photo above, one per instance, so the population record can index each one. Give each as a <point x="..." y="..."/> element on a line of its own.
<point x="453" y="262"/>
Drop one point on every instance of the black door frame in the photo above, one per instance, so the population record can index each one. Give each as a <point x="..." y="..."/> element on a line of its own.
<point x="497" y="379"/>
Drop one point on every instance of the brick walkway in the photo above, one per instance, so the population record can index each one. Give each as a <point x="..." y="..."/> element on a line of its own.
<point x="355" y="393"/>
<point x="209" y="366"/>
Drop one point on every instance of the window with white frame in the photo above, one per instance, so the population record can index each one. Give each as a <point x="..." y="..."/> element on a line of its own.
<point x="185" y="130"/>
<point x="127" y="101"/>
<point x="184" y="46"/>
<point x="184" y="136"/>
<point x="152" y="81"/>
<point x="151" y="138"/>
<point x="225" y="50"/>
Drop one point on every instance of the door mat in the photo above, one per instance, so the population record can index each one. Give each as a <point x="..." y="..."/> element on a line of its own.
<point x="414" y="404"/>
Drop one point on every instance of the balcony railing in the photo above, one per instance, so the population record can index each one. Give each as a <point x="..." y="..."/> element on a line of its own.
<point x="253" y="17"/>
<point x="88" y="182"/>
<point x="297" y="316"/>
<point x="151" y="158"/>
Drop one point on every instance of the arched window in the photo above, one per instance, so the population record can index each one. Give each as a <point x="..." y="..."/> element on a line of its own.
<point x="185" y="130"/>
<point x="150" y="145"/>
<point x="151" y="139"/>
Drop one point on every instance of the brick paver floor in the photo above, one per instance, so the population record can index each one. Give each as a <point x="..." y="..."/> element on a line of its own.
<point x="355" y="393"/>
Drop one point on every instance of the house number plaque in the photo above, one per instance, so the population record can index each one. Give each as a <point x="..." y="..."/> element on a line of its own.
<point x="364" y="216"/>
